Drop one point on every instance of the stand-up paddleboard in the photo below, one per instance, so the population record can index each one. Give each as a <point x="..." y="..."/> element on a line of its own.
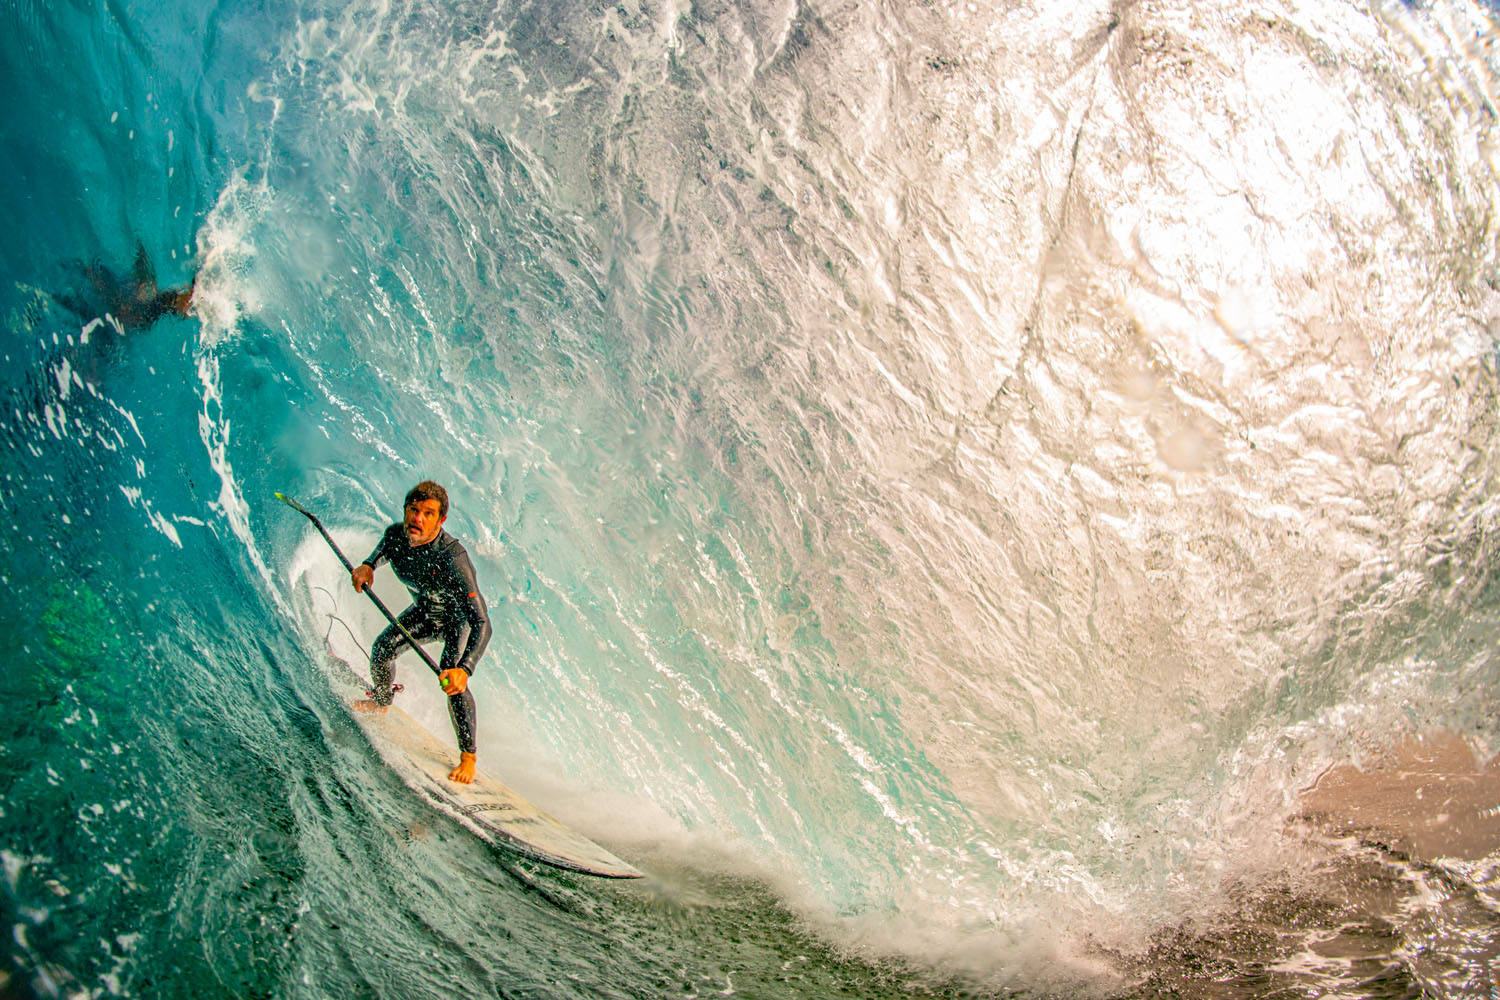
<point x="496" y="813"/>
<point x="487" y="807"/>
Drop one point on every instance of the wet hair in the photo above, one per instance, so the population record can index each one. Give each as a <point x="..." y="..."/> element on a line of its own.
<point x="428" y="490"/>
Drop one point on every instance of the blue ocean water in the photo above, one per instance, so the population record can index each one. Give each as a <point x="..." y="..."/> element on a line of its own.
<point x="946" y="478"/>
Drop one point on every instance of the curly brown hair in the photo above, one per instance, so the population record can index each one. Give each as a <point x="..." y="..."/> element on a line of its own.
<point x="428" y="490"/>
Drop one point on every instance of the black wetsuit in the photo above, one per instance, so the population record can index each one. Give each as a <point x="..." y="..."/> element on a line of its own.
<point x="135" y="302"/>
<point x="448" y="605"/>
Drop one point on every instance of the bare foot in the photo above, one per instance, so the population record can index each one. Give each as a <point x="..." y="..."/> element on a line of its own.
<point x="366" y="705"/>
<point x="464" y="772"/>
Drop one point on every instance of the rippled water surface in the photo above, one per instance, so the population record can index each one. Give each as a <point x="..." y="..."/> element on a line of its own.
<point x="947" y="479"/>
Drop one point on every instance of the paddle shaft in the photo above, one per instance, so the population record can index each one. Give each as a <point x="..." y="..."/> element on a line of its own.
<point x="369" y="591"/>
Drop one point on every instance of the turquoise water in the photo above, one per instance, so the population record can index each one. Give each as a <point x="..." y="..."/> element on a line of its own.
<point x="945" y="478"/>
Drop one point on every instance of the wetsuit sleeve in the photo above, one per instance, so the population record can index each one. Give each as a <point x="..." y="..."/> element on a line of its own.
<point x="374" y="558"/>
<point x="475" y="611"/>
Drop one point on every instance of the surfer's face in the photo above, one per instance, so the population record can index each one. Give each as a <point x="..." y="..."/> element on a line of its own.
<point x="423" y="520"/>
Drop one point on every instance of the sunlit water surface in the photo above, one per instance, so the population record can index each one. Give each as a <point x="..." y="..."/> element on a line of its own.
<point x="946" y="478"/>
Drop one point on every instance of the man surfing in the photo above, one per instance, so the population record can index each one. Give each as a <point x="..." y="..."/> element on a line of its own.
<point x="136" y="302"/>
<point x="446" y="604"/>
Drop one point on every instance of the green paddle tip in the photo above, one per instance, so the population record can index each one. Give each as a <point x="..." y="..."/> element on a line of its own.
<point x="292" y="503"/>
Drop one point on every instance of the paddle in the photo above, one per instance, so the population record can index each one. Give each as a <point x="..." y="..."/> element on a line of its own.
<point x="369" y="591"/>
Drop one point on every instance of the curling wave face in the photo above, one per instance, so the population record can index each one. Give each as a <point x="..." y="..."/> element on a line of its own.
<point x="979" y="463"/>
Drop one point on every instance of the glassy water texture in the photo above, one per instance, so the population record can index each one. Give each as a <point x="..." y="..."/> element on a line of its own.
<point x="948" y="479"/>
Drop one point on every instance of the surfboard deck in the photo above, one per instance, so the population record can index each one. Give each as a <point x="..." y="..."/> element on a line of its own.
<point x="498" y="814"/>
